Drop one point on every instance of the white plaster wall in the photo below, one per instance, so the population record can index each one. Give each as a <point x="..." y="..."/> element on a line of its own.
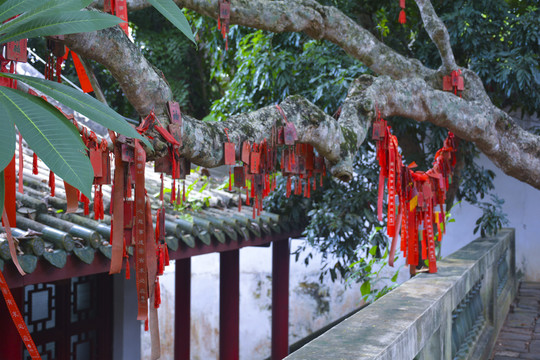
<point x="312" y="305"/>
<point x="522" y="205"/>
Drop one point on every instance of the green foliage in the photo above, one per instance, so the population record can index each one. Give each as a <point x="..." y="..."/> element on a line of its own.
<point x="270" y="67"/>
<point x="171" y="11"/>
<point x="51" y="17"/>
<point x="500" y="40"/>
<point x="493" y="218"/>
<point x="52" y="136"/>
<point x="369" y="270"/>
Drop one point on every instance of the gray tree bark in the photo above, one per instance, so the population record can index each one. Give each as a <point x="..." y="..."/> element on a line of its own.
<point x="403" y="87"/>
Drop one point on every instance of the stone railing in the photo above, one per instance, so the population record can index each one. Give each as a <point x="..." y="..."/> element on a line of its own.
<point x="454" y="314"/>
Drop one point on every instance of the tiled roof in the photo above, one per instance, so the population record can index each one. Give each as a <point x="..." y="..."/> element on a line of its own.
<point x="46" y="233"/>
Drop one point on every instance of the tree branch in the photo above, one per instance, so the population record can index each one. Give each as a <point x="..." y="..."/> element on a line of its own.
<point x="512" y="149"/>
<point x="438" y="34"/>
<point x="315" y="20"/>
<point x="407" y="90"/>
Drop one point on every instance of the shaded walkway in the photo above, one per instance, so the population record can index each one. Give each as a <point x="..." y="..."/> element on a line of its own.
<point x="520" y="335"/>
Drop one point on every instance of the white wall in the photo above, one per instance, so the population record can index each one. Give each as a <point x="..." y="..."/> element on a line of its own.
<point x="312" y="305"/>
<point x="522" y="205"/>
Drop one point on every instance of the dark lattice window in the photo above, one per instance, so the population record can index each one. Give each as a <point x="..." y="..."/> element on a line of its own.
<point x="71" y="319"/>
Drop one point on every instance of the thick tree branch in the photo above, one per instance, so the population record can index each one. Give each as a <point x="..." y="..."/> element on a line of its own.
<point x="438" y="34"/>
<point x="144" y="87"/>
<point x="514" y="150"/>
<point x="407" y="90"/>
<point x="315" y="20"/>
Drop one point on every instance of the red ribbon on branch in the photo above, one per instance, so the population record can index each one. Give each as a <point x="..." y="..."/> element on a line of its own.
<point x="418" y="194"/>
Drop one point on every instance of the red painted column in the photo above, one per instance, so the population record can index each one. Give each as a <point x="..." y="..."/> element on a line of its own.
<point x="11" y="345"/>
<point x="229" y="303"/>
<point x="280" y="299"/>
<point x="182" y="309"/>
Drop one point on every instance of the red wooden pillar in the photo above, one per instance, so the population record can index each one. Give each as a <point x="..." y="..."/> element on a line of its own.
<point x="11" y="345"/>
<point x="280" y="299"/>
<point x="182" y="309"/>
<point x="229" y="303"/>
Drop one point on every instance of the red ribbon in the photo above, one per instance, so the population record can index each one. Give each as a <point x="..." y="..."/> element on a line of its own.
<point x="18" y="320"/>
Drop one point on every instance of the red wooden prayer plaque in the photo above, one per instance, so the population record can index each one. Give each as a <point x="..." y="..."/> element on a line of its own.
<point x="255" y="162"/>
<point x="447" y="83"/>
<point x="128" y="214"/>
<point x="163" y="165"/>
<point x="290" y="134"/>
<point x="246" y="151"/>
<point x="225" y="10"/>
<point x="16" y="50"/>
<point x="105" y="177"/>
<point x="460" y="84"/>
<point x="239" y="177"/>
<point x="97" y="162"/>
<point x="230" y="156"/>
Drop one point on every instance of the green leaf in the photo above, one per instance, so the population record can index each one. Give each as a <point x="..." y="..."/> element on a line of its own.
<point x="2" y="189"/>
<point x="58" y="23"/>
<point x="30" y="8"/>
<point x="51" y="135"/>
<point x="173" y="13"/>
<point x="82" y="103"/>
<point x="373" y="250"/>
<point x="13" y="7"/>
<point x="7" y="142"/>
<point x="394" y="278"/>
<point x="365" y="289"/>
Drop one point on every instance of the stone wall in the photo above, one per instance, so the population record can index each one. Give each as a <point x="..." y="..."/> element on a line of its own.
<point x="455" y="313"/>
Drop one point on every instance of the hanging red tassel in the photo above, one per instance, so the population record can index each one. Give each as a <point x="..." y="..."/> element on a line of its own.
<point x="146" y="324"/>
<point x="183" y="191"/>
<point x="99" y="211"/>
<point x="402" y="18"/>
<point x="86" y="203"/>
<point x="230" y="179"/>
<point x="52" y="183"/>
<point x="173" y="192"/>
<point x="161" y="190"/>
<point x="128" y="270"/>
<point x="158" y="221"/>
<point x="157" y="295"/>
<point x="35" y="164"/>
<point x="288" y="186"/>
<point x="166" y="254"/>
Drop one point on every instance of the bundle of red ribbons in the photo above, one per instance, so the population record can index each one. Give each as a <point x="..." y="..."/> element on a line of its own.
<point x="415" y="198"/>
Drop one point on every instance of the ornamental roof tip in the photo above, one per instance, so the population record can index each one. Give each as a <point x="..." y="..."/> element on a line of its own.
<point x="210" y="215"/>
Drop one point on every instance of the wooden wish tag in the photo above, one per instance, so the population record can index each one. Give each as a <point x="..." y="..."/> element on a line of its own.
<point x="229" y="150"/>
<point x="259" y="184"/>
<point x="254" y="164"/>
<point x="163" y="165"/>
<point x="185" y="167"/>
<point x="175" y="115"/>
<point x="96" y="161"/>
<point x="290" y="134"/>
<point x="239" y="177"/>
<point x="224" y="10"/>
<point x="106" y="173"/>
<point x="460" y="84"/>
<point x="246" y="151"/>
<point x="310" y="158"/>
<point x="17" y="50"/>
<point x="447" y="83"/>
